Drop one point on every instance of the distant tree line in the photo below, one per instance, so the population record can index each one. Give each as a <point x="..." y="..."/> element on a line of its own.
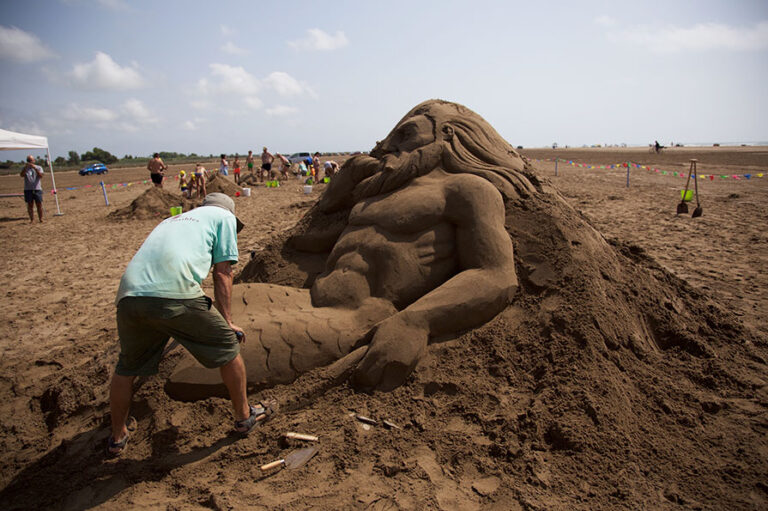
<point x="103" y="156"/>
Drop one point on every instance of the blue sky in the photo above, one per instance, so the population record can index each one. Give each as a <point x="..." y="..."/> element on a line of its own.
<point x="228" y="76"/>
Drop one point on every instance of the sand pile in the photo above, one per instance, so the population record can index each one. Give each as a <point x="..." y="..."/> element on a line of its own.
<point x="249" y="180"/>
<point x="221" y="184"/>
<point x="154" y="203"/>
<point x="607" y="377"/>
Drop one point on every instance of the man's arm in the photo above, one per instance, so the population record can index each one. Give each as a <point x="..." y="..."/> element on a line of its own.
<point x="222" y="294"/>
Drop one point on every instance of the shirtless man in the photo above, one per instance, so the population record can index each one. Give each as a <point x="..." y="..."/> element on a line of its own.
<point x="285" y="165"/>
<point x="266" y="164"/>
<point x="249" y="162"/>
<point x="424" y="255"/>
<point x="156" y="169"/>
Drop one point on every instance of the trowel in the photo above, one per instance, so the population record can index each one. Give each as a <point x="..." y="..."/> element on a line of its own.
<point x="295" y="459"/>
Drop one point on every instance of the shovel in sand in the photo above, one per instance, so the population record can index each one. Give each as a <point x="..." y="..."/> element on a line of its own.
<point x="683" y="207"/>
<point x="698" y="211"/>
<point x="294" y="460"/>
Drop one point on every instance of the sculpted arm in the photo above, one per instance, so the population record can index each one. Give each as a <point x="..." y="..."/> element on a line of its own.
<point x="481" y="289"/>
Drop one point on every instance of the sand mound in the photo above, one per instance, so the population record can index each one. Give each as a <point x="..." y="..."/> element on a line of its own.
<point x="249" y="180"/>
<point x="221" y="184"/>
<point x="607" y="376"/>
<point x="154" y="203"/>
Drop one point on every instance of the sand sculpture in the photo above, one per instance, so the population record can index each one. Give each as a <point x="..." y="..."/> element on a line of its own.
<point x="423" y="255"/>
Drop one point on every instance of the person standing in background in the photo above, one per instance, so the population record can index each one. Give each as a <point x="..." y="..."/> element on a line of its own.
<point x="33" y="188"/>
<point x="156" y="169"/>
<point x="236" y="169"/>
<point x="249" y="162"/>
<point x="224" y="165"/>
<point x="266" y="164"/>
<point x="316" y="165"/>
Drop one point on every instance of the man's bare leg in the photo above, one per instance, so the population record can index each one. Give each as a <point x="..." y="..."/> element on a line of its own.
<point x="31" y="212"/>
<point x="120" y="393"/>
<point x="39" y="211"/>
<point x="234" y="378"/>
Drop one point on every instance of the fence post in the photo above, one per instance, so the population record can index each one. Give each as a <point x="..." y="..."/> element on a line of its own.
<point x="556" y="159"/>
<point x="627" y="164"/>
<point x="106" y="201"/>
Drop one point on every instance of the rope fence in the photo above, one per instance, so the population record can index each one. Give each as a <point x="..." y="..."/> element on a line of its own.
<point x="630" y="165"/>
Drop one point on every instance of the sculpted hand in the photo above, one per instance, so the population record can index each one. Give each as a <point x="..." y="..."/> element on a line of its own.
<point x="394" y="351"/>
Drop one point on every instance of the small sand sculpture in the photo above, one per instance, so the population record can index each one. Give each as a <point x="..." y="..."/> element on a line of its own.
<point x="424" y="255"/>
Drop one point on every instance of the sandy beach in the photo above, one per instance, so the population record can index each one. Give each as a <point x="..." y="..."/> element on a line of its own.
<point x="473" y="432"/>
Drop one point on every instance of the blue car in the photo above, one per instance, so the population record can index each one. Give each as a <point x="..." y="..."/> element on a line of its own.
<point x="94" y="168"/>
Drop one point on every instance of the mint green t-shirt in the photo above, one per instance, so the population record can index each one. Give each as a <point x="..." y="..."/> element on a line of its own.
<point x="178" y="254"/>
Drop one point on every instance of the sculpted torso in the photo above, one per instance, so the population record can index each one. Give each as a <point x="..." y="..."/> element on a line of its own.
<point x="398" y="246"/>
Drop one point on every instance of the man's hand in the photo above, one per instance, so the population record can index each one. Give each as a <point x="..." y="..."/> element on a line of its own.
<point x="395" y="349"/>
<point x="239" y="332"/>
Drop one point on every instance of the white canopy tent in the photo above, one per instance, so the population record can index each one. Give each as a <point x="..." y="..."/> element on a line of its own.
<point x="10" y="140"/>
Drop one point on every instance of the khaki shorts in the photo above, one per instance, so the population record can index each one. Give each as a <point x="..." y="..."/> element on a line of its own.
<point x="145" y="323"/>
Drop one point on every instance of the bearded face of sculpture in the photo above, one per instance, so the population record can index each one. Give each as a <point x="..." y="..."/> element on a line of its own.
<point x="410" y="150"/>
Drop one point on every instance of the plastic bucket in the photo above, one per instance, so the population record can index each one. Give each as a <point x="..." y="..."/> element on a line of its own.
<point x="326" y="180"/>
<point x="686" y="195"/>
<point x="176" y="210"/>
<point x="246" y="192"/>
<point x="307" y="189"/>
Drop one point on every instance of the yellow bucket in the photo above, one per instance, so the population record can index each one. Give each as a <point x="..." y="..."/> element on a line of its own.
<point x="686" y="195"/>
<point x="176" y="210"/>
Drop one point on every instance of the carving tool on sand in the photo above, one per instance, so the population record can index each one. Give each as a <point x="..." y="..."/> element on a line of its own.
<point x="300" y="436"/>
<point x="293" y="461"/>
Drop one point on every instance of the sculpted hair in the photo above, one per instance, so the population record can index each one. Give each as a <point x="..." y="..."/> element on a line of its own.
<point x="471" y="145"/>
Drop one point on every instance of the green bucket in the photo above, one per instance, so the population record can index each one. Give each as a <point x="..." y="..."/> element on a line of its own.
<point x="176" y="210"/>
<point x="686" y="195"/>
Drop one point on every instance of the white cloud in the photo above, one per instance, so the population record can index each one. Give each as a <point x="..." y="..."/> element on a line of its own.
<point x="253" y="102"/>
<point x="318" y="40"/>
<point x="21" y="46"/>
<point x="606" y="21"/>
<point x="701" y="37"/>
<point x="104" y="73"/>
<point x="228" y="31"/>
<point x="201" y="104"/>
<point x="135" y="110"/>
<point x="193" y="124"/>
<point x="130" y="116"/>
<point x="23" y="126"/>
<point x="76" y="113"/>
<point x="286" y="85"/>
<point x="231" y="80"/>
<point x="281" y="111"/>
<point x="244" y="88"/>
<point x="233" y="49"/>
